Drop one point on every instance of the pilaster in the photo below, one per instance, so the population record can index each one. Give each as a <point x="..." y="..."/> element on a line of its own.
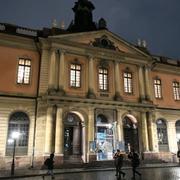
<point x="52" y="71"/>
<point x="61" y="72"/>
<point x="91" y="88"/>
<point x="117" y="82"/>
<point x="141" y="84"/>
<point x="148" y="84"/>
<point x="145" y="142"/>
<point x="49" y="130"/>
<point x="91" y="155"/>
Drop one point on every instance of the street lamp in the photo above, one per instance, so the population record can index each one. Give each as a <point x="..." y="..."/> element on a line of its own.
<point x="14" y="136"/>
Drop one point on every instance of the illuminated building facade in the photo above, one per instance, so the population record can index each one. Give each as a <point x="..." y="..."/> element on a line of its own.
<point x="84" y="92"/>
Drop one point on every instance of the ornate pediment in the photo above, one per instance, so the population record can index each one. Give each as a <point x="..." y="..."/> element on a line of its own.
<point x="104" y="42"/>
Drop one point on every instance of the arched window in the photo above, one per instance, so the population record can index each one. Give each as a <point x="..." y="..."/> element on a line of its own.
<point x="18" y="122"/>
<point x="162" y="135"/>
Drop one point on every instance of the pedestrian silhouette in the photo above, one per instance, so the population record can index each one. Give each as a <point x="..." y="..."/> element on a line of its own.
<point x="135" y="161"/>
<point x="49" y="163"/>
<point x="118" y="161"/>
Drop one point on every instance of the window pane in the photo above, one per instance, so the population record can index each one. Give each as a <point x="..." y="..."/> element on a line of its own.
<point x="176" y="90"/>
<point x="103" y="79"/>
<point x="75" y="75"/>
<point x="24" y="70"/>
<point x="127" y="82"/>
<point x="157" y="88"/>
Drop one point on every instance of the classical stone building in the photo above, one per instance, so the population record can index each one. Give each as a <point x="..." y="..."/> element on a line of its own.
<point x="84" y="92"/>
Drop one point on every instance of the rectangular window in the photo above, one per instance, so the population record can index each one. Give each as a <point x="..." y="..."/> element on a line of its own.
<point x="24" y="71"/>
<point x="176" y="90"/>
<point x="157" y="88"/>
<point x="75" y="75"/>
<point x="128" y="82"/>
<point x="103" y="79"/>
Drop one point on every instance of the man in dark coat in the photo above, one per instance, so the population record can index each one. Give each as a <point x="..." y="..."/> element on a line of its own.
<point x="118" y="160"/>
<point x="49" y="162"/>
<point x="135" y="161"/>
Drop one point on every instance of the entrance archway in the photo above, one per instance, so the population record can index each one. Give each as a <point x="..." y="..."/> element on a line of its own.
<point x="162" y="135"/>
<point x="178" y="133"/>
<point x="72" y="135"/>
<point x="130" y="129"/>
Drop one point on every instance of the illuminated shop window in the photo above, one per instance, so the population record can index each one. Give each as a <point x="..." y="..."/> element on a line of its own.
<point x="157" y="88"/>
<point x="75" y="75"/>
<point x="103" y="79"/>
<point x="176" y="90"/>
<point x="24" y="71"/>
<point x="104" y="138"/>
<point x="128" y="82"/>
<point x="19" y="122"/>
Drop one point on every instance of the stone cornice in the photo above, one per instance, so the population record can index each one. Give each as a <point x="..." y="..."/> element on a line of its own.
<point x="168" y="110"/>
<point x="95" y="102"/>
<point x="166" y="68"/>
<point x="17" y="42"/>
<point x="18" y="95"/>
<point x="16" y="99"/>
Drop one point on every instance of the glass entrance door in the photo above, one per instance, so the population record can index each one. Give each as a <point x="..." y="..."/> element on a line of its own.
<point x="68" y="141"/>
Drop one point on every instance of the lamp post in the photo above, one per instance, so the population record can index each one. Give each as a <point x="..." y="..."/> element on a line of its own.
<point x="14" y="136"/>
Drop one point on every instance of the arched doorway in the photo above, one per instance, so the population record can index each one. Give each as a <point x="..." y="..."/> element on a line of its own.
<point x="130" y="129"/>
<point x="72" y="135"/>
<point x="178" y="133"/>
<point x="162" y="135"/>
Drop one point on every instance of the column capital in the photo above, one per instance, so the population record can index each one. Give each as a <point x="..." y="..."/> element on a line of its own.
<point x="90" y="57"/>
<point x="62" y="51"/>
<point x="117" y="62"/>
<point x="53" y="49"/>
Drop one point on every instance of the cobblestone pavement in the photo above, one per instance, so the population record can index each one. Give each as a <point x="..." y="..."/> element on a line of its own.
<point x="168" y="173"/>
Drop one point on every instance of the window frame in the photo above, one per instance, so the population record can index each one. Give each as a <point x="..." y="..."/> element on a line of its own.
<point x="157" y="88"/>
<point x="24" y="71"/>
<point x="129" y="82"/>
<point x="75" y="75"/>
<point x="104" y="79"/>
<point x="176" y="90"/>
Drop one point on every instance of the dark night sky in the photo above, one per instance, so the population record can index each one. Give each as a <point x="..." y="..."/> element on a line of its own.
<point x="156" y="21"/>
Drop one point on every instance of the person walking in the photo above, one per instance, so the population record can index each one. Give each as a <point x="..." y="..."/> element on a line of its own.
<point x="118" y="160"/>
<point x="135" y="161"/>
<point x="49" y="162"/>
